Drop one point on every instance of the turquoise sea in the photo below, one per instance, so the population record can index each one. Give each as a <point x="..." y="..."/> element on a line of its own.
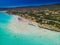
<point x="14" y="32"/>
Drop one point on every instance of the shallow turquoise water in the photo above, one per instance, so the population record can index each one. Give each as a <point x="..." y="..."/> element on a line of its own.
<point x="13" y="32"/>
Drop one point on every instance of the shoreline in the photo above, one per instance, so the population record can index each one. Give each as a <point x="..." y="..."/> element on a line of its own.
<point x="45" y="26"/>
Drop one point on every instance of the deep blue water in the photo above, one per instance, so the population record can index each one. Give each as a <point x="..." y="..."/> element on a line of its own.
<point x="19" y="3"/>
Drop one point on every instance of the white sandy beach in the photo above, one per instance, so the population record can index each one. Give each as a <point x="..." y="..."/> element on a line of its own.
<point x="17" y="27"/>
<point x="22" y="27"/>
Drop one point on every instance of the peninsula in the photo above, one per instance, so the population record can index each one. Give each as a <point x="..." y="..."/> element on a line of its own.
<point x="47" y="16"/>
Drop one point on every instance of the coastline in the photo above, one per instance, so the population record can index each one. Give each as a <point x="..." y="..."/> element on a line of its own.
<point x="45" y="16"/>
<point x="45" y="26"/>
